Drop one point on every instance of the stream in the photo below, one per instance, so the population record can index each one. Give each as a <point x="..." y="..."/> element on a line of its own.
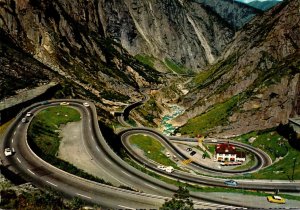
<point x="167" y="127"/>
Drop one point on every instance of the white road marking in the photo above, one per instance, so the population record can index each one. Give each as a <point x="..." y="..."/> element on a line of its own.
<point x="52" y="183"/>
<point x="12" y="141"/>
<point x="30" y="171"/>
<point x="19" y="160"/>
<point x="150" y="186"/>
<point x="126" y="173"/>
<point x="15" y="132"/>
<point x="98" y="149"/>
<point x="19" y="125"/>
<point x="83" y="196"/>
<point x="125" y="207"/>
<point x="107" y="160"/>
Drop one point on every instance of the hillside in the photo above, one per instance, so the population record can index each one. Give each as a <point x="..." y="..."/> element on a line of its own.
<point x="66" y="39"/>
<point x="255" y="84"/>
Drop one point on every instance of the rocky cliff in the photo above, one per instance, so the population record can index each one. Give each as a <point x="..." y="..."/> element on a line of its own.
<point x="187" y="34"/>
<point x="255" y="85"/>
<point x="236" y="14"/>
<point x="67" y="39"/>
<point x="90" y="44"/>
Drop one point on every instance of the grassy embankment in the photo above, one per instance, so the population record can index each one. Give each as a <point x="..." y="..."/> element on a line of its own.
<point x="281" y="153"/>
<point x="43" y="137"/>
<point x="216" y="115"/>
<point x="152" y="149"/>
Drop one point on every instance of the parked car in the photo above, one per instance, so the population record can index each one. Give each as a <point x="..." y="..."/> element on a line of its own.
<point x="231" y="183"/>
<point x="8" y="152"/>
<point x="64" y="103"/>
<point x="86" y="104"/>
<point x="192" y="153"/>
<point x="168" y="154"/>
<point x="188" y="149"/>
<point x="276" y="199"/>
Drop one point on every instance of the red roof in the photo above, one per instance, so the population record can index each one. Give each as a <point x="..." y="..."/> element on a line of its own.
<point x="225" y="148"/>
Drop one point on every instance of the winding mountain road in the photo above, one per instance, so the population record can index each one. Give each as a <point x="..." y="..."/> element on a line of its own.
<point x="152" y="192"/>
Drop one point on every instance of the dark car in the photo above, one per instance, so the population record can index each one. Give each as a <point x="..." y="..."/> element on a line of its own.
<point x="192" y="153"/>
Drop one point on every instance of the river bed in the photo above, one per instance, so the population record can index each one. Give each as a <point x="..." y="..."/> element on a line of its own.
<point x="167" y="127"/>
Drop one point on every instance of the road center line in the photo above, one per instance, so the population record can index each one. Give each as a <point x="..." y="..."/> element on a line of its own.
<point x="52" y="183"/>
<point x="19" y="160"/>
<point x="12" y="141"/>
<point x="98" y="149"/>
<point x="19" y="125"/>
<point x="30" y="171"/>
<point x="83" y="196"/>
<point x="15" y="132"/>
<point x="150" y="186"/>
<point x="125" y="207"/>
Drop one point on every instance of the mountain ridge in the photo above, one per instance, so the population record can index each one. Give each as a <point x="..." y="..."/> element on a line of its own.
<point x="256" y="81"/>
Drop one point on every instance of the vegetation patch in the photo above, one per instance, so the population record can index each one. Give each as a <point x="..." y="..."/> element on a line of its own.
<point x="38" y="200"/>
<point x="44" y="128"/>
<point x="177" y="68"/>
<point x="285" y="163"/>
<point x="216" y="115"/>
<point x="145" y="59"/>
<point x="152" y="148"/>
<point x="114" y="96"/>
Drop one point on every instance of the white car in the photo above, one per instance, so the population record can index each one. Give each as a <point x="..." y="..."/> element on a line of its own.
<point x="168" y="154"/>
<point x="28" y="114"/>
<point x="169" y="169"/>
<point x="162" y="167"/>
<point x="8" y="152"/>
<point x="86" y="104"/>
<point x="64" y="103"/>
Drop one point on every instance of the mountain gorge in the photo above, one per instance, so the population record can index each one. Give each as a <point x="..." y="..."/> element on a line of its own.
<point x="106" y="51"/>
<point x="255" y="84"/>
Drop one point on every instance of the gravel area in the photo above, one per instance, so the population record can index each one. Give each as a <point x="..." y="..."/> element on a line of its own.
<point x="73" y="150"/>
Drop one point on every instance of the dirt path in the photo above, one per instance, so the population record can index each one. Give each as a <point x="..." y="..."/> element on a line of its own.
<point x="73" y="150"/>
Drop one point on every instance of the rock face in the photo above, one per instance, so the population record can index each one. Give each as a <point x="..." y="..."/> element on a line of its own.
<point x="259" y="72"/>
<point x="236" y="14"/>
<point x="68" y="38"/>
<point x="86" y="43"/>
<point x="191" y="33"/>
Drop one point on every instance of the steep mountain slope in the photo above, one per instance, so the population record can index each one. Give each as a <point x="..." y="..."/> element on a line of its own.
<point x="236" y="14"/>
<point x="255" y="85"/>
<point x="19" y="70"/>
<point x="187" y="34"/>
<point x="68" y="37"/>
